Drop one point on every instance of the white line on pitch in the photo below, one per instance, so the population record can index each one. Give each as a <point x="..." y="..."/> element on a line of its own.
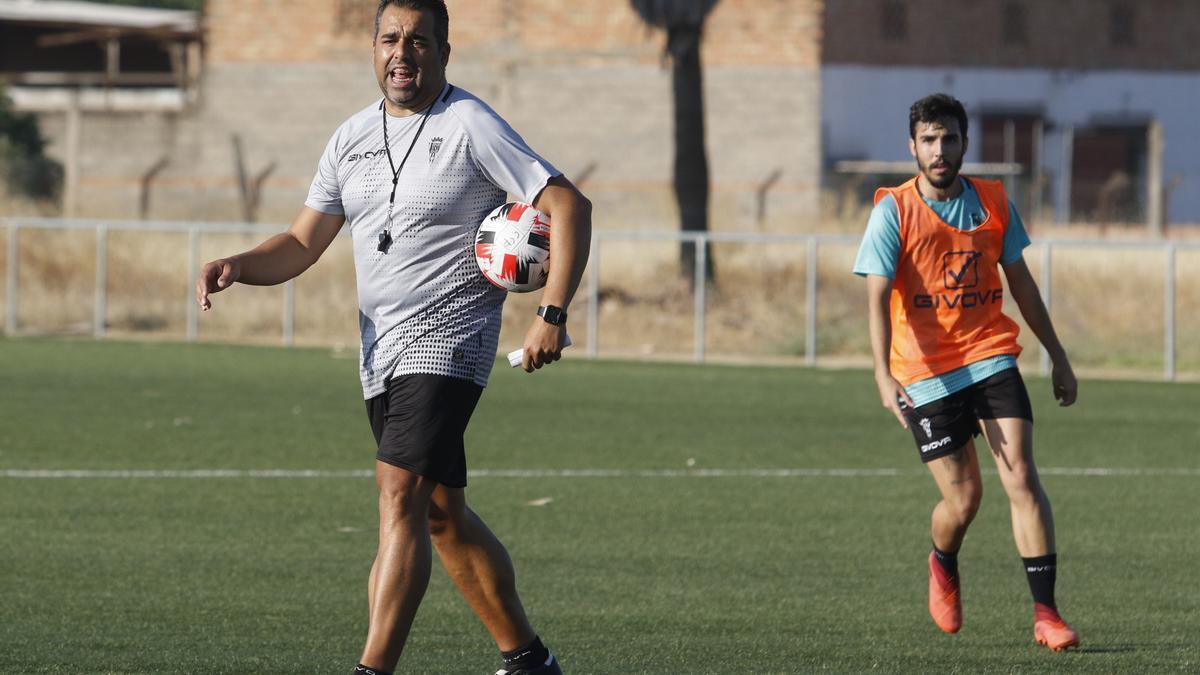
<point x="562" y="473"/>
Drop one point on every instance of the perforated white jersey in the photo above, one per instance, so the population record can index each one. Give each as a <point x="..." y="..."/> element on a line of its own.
<point x="424" y="307"/>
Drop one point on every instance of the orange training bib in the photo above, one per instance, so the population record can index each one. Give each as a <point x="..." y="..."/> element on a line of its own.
<point x="947" y="295"/>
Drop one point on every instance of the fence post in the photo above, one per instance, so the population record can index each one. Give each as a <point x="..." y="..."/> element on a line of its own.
<point x="593" y="315"/>
<point x="810" y="305"/>
<point x="1010" y="156"/>
<point x="1063" y="207"/>
<point x="193" y="309"/>
<point x="700" y="283"/>
<point x="289" y="312"/>
<point x="1044" y="360"/>
<point x="101" y="307"/>
<point x="1038" y="173"/>
<point x="10" y="299"/>
<point x="1154" y="180"/>
<point x="1169" y="318"/>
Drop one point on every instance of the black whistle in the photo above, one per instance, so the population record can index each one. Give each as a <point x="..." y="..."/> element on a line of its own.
<point x="385" y="241"/>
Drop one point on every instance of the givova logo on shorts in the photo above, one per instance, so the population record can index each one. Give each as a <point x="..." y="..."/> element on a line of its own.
<point x="942" y="442"/>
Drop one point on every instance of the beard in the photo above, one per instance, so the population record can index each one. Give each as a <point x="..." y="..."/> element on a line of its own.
<point x="946" y="180"/>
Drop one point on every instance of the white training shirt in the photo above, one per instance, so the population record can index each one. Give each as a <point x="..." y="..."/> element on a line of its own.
<point x="424" y="306"/>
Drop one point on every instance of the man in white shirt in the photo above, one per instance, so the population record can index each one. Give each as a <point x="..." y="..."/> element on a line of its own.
<point x="412" y="176"/>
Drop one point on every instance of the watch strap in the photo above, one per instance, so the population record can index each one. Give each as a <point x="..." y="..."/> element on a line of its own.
<point x="552" y="315"/>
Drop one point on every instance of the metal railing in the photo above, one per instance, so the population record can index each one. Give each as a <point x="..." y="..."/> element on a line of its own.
<point x="700" y="241"/>
<point x="102" y="228"/>
<point x="1169" y="250"/>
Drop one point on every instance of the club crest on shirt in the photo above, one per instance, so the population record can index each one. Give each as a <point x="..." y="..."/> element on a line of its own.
<point x="435" y="144"/>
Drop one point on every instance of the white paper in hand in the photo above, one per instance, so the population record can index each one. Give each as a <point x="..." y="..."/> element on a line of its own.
<point x="514" y="357"/>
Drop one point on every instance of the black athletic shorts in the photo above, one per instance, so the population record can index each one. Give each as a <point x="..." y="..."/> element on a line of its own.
<point x="944" y="426"/>
<point x="419" y="423"/>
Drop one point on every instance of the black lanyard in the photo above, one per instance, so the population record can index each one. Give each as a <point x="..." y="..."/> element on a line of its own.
<point x="385" y="237"/>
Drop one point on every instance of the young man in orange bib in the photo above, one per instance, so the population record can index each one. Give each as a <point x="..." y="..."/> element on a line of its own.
<point x="946" y="356"/>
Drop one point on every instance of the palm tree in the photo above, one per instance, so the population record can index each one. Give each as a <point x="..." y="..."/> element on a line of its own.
<point x="684" y="23"/>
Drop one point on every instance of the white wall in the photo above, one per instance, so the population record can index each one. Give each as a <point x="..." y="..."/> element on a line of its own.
<point x="864" y="112"/>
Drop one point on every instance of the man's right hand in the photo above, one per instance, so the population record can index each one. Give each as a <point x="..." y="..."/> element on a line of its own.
<point x="891" y="393"/>
<point x="215" y="277"/>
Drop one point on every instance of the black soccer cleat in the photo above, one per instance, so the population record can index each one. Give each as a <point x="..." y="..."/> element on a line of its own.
<point x="550" y="667"/>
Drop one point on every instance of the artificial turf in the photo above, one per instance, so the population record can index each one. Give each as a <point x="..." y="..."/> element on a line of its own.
<point x="668" y="557"/>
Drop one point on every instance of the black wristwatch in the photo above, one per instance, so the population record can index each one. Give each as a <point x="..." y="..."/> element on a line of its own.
<point x="554" y="316"/>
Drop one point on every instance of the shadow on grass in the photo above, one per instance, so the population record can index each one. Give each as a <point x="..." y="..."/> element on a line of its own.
<point x="1106" y="650"/>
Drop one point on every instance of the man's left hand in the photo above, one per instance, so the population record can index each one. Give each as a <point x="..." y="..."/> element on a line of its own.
<point x="543" y="344"/>
<point x="1066" y="388"/>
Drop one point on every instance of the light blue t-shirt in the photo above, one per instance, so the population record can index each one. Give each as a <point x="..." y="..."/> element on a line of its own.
<point x="880" y="248"/>
<point x="880" y="252"/>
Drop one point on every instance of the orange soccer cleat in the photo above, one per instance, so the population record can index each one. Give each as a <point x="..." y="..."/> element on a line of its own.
<point x="945" y="602"/>
<point x="1049" y="629"/>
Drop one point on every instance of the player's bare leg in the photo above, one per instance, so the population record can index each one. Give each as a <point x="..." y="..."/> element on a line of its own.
<point x="1011" y="441"/>
<point x="957" y="477"/>
<point x="480" y="567"/>
<point x="400" y="573"/>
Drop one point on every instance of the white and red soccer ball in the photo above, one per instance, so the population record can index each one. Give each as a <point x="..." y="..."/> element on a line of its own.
<point x="512" y="247"/>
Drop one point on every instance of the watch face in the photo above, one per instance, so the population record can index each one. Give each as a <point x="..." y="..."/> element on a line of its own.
<point x="552" y="315"/>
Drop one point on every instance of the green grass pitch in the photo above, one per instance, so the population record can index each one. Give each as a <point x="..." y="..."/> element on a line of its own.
<point x="647" y="565"/>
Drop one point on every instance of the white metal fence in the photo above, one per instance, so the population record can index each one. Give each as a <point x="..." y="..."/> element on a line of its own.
<point x="1168" y="249"/>
<point x="1045" y="249"/>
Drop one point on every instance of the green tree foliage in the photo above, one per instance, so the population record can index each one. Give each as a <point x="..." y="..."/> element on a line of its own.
<point x="24" y="166"/>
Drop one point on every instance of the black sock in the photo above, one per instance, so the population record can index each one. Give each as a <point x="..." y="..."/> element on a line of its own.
<point x="360" y="669"/>
<point x="948" y="561"/>
<point x="531" y="655"/>
<point x="1040" y="572"/>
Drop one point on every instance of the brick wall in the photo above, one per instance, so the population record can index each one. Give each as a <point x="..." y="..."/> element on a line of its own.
<point x="583" y="81"/>
<point x="1065" y="34"/>
<point x="739" y="32"/>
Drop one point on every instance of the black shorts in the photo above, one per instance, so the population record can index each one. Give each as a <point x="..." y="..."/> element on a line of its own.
<point x="419" y="423"/>
<point x="944" y="426"/>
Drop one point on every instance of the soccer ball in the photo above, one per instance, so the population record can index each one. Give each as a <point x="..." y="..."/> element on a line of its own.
<point x="512" y="247"/>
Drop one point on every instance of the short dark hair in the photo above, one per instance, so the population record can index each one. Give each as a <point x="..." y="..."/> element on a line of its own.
<point x="935" y="108"/>
<point x="441" y="17"/>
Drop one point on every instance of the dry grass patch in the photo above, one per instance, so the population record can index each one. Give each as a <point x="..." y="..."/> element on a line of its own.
<point x="1107" y="304"/>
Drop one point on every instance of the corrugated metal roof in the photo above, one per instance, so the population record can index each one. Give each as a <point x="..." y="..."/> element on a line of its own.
<point x="92" y="14"/>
